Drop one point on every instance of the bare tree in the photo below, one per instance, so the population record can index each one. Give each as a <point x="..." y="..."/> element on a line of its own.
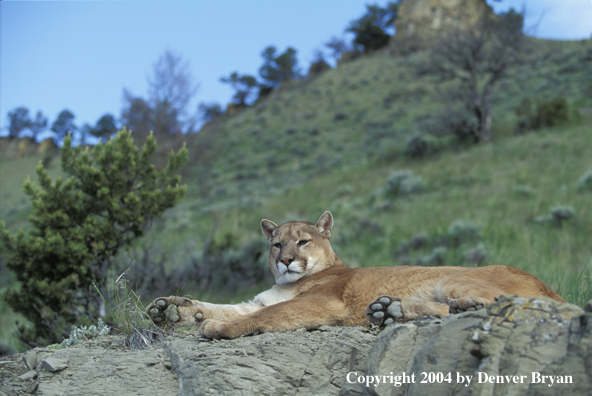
<point x="170" y="91"/>
<point x="478" y="58"/>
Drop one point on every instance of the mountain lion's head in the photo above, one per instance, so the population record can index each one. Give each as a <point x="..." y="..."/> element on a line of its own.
<point x="299" y="248"/>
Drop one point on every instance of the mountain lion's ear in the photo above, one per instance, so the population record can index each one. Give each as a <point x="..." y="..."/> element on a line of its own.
<point x="325" y="224"/>
<point x="268" y="227"/>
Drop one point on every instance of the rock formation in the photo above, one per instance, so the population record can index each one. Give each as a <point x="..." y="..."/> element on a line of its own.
<point x="510" y="348"/>
<point x="421" y="22"/>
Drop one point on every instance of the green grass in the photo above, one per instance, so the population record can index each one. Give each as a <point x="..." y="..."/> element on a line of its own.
<point x="331" y="144"/>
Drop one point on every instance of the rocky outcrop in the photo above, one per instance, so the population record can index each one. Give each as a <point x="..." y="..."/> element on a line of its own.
<point x="505" y="349"/>
<point x="12" y="147"/>
<point x="421" y="22"/>
<point x="510" y="348"/>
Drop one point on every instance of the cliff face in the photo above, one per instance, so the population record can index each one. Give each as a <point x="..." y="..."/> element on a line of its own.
<point x="421" y="22"/>
<point x="518" y="346"/>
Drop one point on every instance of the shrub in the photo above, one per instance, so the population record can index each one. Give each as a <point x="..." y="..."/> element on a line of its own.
<point x="558" y="215"/>
<point x="403" y="182"/>
<point x="421" y="146"/>
<point x="78" y="225"/>
<point x="461" y="232"/>
<point x="523" y="190"/>
<point x="542" y="114"/>
<point x="82" y="333"/>
<point x="417" y="147"/>
<point x="562" y="213"/>
<point x="434" y="259"/>
<point x="551" y="113"/>
<point x="585" y="182"/>
<point x="476" y="255"/>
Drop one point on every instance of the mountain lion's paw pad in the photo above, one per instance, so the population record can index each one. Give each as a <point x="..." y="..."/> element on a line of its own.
<point x="384" y="311"/>
<point x="164" y="310"/>
<point x="465" y="304"/>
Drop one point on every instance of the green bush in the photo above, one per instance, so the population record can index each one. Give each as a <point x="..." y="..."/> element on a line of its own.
<point x="403" y="183"/>
<point x="78" y="225"/>
<point x="523" y="190"/>
<point x="420" y="146"/>
<point x="585" y="182"/>
<point x="542" y="114"/>
<point x="558" y="215"/>
<point x="461" y="232"/>
<point x="83" y="333"/>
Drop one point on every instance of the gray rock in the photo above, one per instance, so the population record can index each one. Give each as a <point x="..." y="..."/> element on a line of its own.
<point x="27" y="376"/>
<point x="30" y="359"/>
<point x="52" y="364"/>
<point x="514" y="337"/>
<point x="297" y="363"/>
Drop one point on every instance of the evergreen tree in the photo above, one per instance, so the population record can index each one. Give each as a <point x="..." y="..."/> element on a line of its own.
<point x="105" y="127"/>
<point x="371" y="31"/>
<point x="78" y="225"/>
<point x="63" y="125"/>
<point x="18" y="120"/>
<point x="137" y="115"/>
<point x="38" y="125"/>
<point x="209" y="111"/>
<point x="280" y="68"/>
<point x="337" y="46"/>
<point x="244" y="87"/>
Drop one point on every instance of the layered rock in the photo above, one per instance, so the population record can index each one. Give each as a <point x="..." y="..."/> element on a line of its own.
<point x="421" y="22"/>
<point x="498" y="348"/>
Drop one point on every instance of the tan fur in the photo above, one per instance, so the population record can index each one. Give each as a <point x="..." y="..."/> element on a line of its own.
<point x="313" y="288"/>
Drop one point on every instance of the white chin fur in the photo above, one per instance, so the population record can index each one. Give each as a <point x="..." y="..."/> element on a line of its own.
<point x="295" y="271"/>
<point x="289" y="277"/>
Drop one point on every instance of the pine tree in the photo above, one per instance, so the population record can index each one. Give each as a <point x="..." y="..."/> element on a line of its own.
<point x="78" y="224"/>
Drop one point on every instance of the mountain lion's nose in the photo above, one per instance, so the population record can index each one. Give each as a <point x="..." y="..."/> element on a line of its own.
<point x="286" y="261"/>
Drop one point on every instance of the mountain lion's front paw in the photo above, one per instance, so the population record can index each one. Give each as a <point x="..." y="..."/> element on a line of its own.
<point x="218" y="329"/>
<point x="384" y="311"/>
<point x="175" y="312"/>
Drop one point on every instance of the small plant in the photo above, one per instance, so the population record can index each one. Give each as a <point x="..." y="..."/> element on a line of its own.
<point x="542" y="114"/>
<point x="82" y="333"/>
<point x="403" y="183"/>
<point x="558" y="215"/>
<point x="523" y="191"/>
<point x="420" y="146"/>
<point x="461" y="232"/>
<point x="585" y="182"/>
<point x="434" y="259"/>
<point x="129" y="314"/>
<point x="476" y="255"/>
<point x="561" y="214"/>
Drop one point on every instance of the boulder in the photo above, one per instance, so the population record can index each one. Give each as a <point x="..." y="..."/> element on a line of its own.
<point x="517" y="346"/>
<point x="421" y="22"/>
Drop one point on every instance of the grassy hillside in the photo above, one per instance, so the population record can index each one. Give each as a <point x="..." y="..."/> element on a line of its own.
<point x="333" y="143"/>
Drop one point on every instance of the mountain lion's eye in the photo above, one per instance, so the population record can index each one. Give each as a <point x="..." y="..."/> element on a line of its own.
<point x="277" y="245"/>
<point x="302" y="242"/>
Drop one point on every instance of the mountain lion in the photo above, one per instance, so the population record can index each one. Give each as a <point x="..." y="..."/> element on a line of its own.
<point x="313" y="287"/>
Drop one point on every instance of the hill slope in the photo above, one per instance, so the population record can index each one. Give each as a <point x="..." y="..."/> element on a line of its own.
<point x="333" y="142"/>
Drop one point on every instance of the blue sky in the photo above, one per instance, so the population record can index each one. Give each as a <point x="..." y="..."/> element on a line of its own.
<point x="80" y="55"/>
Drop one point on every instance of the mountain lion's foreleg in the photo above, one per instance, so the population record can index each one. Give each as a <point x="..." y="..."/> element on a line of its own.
<point x="284" y="316"/>
<point x="179" y="311"/>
